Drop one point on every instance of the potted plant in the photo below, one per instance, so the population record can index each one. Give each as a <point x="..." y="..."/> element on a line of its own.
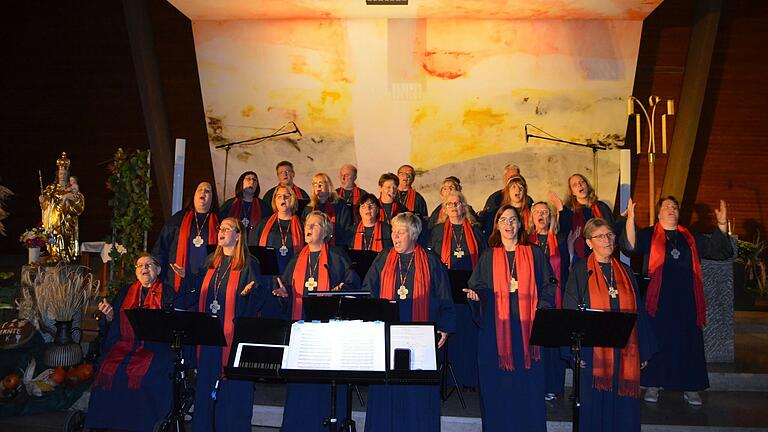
<point x="34" y="240"/>
<point x="750" y="275"/>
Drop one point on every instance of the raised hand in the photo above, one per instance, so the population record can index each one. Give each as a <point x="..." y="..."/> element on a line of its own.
<point x="629" y="213"/>
<point x="471" y="294"/>
<point x="443" y="338"/>
<point x="106" y="309"/>
<point x="179" y="270"/>
<point x="555" y="200"/>
<point x="338" y="287"/>
<point x="247" y="288"/>
<point x="280" y="291"/>
<point x="722" y="216"/>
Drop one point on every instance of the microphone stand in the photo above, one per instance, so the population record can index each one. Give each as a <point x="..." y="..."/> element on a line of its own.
<point x="595" y="148"/>
<point x="228" y="146"/>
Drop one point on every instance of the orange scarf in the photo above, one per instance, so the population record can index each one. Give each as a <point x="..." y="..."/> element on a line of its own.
<point x="299" y="278"/>
<point x="602" y="358"/>
<point x="376" y="243"/>
<point x="183" y="242"/>
<point x="140" y="361"/>
<point x="469" y="235"/>
<point x="421" y="281"/>
<point x="410" y="200"/>
<point x="656" y="272"/>
<point x="297" y="235"/>
<point x="229" y="307"/>
<point x="299" y="194"/>
<point x="527" y="299"/>
<point x="355" y="194"/>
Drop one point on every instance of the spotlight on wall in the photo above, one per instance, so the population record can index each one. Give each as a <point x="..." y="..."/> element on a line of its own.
<point x="387" y="2"/>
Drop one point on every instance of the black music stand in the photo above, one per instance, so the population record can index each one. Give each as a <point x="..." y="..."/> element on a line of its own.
<point x="459" y="280"/>
<point x="578" y="329"/>
<point x="361" y="260"/>
<point x="176" y="328"/>
<point x="267" y="257"/>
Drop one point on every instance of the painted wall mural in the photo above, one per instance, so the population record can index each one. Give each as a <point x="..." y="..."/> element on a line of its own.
<point x="449" y="96"/>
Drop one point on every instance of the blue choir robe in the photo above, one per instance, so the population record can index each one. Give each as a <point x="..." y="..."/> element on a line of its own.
<point x="164" y="250"/>
<point x="245" y="212"/>
<point x="401" y="407"/>
<point x="509" y="400"/>
<point x="233" y="406"/>
<point x="680" y="364"/>
<point x="554" y="364"/>
<point x="566" y="223"/>
<point x="133" y="409"/>
<point x="307" y="405"/>
<point x="606" y="411"/>
<point x="275" y="307"/>
<point x="462" y="345"/>
<point x="434" y="218"/>
<point x="343" y="221"/>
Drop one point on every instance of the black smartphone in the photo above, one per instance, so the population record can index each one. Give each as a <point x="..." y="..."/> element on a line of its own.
<point x="402" y="359"/>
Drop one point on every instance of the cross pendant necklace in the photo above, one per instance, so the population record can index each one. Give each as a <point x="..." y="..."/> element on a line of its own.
<point x="403" y="291"/>
<point x="217" y="281"/>
<point x="458" y="252"/>
<point x="612" y="291"/>
<point x="311" y="283"/>
<point x="512" y="279"/>
<point x="198" y="240"/>
<point x="674" y="252"/>
<point x="283" y="239"/>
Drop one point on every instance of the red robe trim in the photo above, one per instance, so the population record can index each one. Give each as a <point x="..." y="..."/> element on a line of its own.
<point x="299" y="277"/>
<point x="297" y="234"/>
<point x="229" y="308"/>
<point x="469" y="235"/>
<point x="376" y="244"/>
<point x="253" y="218"/>
<point x="580" y="244"/>
<point x="183" y="242"/>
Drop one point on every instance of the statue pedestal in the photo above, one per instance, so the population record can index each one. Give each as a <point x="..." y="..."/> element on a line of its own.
<point x="718" y="294"/>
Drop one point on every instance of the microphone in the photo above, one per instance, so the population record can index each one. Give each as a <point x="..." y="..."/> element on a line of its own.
<point x="297" y="129"/>
<point x="582" y="306"/>
<point x="526" y="133"/>
<point x="178" y="296"/>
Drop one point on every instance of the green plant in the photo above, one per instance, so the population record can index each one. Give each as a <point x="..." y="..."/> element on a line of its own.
<point x="752" y="255"/>
<point x="132" y="216"/>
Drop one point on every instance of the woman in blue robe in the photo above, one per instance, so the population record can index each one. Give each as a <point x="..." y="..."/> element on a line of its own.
<point x="677" y="314"/>
<point x="318" y="267"/>
<point x="227" y="288"/>
<point x="246" y="204"/>
<point x="402" y="407"/>
<point x="139" y="401"/>
<point x="511" y="390"/>
<point x="613" y="404"/>
<point x="455" y="252"/>
<point x="324" y="199"/>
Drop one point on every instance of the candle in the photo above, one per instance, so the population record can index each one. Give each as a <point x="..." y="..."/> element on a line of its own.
<point x="630" y="106"/>
<point x="637" y="129"/>
<point x="664" y="133"/>
<point x="670" y="107"/>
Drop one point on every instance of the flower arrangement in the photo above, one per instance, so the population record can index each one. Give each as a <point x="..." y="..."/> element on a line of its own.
<point x="34" y="238"/>
<point x="752" y="255"/>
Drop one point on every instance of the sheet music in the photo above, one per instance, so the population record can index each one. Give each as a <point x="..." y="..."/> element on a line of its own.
<point x="336" y="345"/>
<point x="419" y="339"/>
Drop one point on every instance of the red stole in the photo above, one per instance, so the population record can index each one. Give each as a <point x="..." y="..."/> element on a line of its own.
<point x="297" y="234"/>
<point x="140" y="361"/>
<point x="421" y="281"/>
<point x="525" y="216"/>
<point x="299" y="194"/>
<point x="578" y="222"/>
<point x="299" y="277"/>
<point x="383" y="214"/>
<point x="376" y="243"/>
<point x="183" y="242"/>
<point x="355" y="194"/>
<point x="527" y="299"/>
<point x="602" y="363"/>
<point x="229" y="307"/>
<point x="656" y="271"/>
<point x="410" y="199"/>
<point x="469" y="235"/>
<point x="255" y="215"/>
<point x="554" y="261"/>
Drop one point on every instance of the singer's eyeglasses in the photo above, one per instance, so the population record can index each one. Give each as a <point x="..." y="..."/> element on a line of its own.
<point x="507" y="220"/>
<point x="604" y="237"/>
<point x="452" y="204"/>
<point x="226" y="229"/>
<point x="145" y="265"/>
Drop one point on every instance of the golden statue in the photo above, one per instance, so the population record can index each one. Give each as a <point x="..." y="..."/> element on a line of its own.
<point x="62" y="203"/>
